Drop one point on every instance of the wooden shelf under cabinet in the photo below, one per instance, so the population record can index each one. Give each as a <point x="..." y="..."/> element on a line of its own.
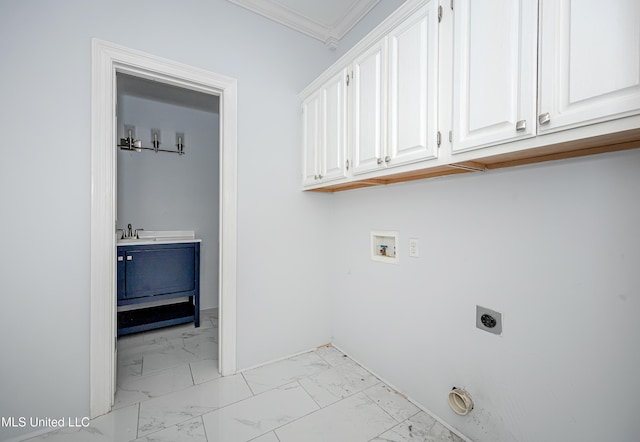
<point x="625" y="140"/>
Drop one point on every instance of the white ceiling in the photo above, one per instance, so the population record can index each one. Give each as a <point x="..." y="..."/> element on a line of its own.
<point x="326" y="20"/>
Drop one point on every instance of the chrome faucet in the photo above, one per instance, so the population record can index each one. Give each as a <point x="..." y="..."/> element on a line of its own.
<point x="129" y="231"/>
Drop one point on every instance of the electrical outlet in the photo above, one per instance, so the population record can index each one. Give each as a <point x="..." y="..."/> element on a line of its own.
<point x="413" y="248"/>
<point x="488" y="320"/>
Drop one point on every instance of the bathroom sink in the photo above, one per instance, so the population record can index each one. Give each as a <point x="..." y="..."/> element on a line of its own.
<point x="166" y="235"/>
<point x="151" y="236"/>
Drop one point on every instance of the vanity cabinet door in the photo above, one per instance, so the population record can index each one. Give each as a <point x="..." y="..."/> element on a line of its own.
<point x="159" y="271"/>
<point x="120" y="269"/>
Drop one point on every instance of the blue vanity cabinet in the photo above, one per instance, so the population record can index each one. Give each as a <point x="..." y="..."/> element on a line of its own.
<point x="157" y="272"/>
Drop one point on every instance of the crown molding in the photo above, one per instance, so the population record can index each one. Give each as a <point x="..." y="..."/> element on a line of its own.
<point x="329" y="33"/>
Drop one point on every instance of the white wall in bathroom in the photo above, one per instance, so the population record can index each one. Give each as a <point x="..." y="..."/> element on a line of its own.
<point x="166" y="191"/>
<point x="554" y="247"/>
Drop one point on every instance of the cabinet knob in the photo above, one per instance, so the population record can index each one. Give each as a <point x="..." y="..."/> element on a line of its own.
<point x="129" y="258"/>
<point x="387" y="159"/>
<point x="319" y="177"/>
<point x="521" y="125"/>
<point x="544" y="118"/>
<point x="120" y="258"/>
<point x="379" y="160"/>
<point x="315" y="177"/>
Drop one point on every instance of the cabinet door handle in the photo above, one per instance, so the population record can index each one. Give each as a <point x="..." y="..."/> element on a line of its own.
<point x="120" y="258"/>
<point x="347" y="164"/>
<point x="544" y="118"/>
<point x="315" y="177"/>
<point x="521" y="125"/>
<point x="319" y="177"/>
<point x="387" y="159"/>
<point x="129" y="258"/>
<point x="379" y="160"/>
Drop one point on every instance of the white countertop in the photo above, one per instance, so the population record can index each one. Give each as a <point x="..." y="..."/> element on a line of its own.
<point x="146" y="237"/>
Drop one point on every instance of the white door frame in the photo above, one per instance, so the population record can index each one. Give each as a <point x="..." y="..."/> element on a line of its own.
<point x="107" y="59"/>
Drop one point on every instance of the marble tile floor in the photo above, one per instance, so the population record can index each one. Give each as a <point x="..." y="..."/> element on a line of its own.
<point x="169" y="390"/>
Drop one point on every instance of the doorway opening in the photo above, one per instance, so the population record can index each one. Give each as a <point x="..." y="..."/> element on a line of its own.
<point x="109" y="61"/>
<point x="168" y="187"/>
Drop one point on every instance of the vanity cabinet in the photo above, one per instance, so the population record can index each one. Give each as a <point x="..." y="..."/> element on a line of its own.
<point x="157" y="272"/>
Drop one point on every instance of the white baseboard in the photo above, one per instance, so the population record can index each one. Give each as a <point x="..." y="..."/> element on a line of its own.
<point x="262" y="364"/>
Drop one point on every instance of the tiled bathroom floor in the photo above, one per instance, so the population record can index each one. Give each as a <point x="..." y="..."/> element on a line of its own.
<point x="169" y="390"/>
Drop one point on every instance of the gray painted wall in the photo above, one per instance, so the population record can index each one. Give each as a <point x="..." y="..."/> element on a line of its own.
<point x="559" y="239"/>
<point x="283" y="295"/>
<point x="554" y="247"/>
<point x="165" y="191"/>
<point x="45" y="120"/>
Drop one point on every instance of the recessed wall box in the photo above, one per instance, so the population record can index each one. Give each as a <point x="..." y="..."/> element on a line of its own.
<point x="488" y="320"/>
<point x="384" y="246"/>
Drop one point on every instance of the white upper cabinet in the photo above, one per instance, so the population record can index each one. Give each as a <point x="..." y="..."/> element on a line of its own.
<point x="325" y="133"/>
<point x="448" y="86"/>
<point x="494" y="66"/>
<point x="589" y="62"/>
<point x="334" y="128"/>
<point x="395" y="95"/>
<point x="310" y="139"/>
<point x="413" y="88"/>
<point x="368" y="109"/>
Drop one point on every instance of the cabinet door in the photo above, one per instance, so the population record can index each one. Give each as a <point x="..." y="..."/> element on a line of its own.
<point x="159" y="271"/>
<point x="589" y="62"/>
<point x="334" y="131"/>
<point x="368" y="118"/>
<point x="120" y="276"/>
<point x="311" y="139"/>
<point x="494" y="92"/>
<point x="413" y="87"/>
